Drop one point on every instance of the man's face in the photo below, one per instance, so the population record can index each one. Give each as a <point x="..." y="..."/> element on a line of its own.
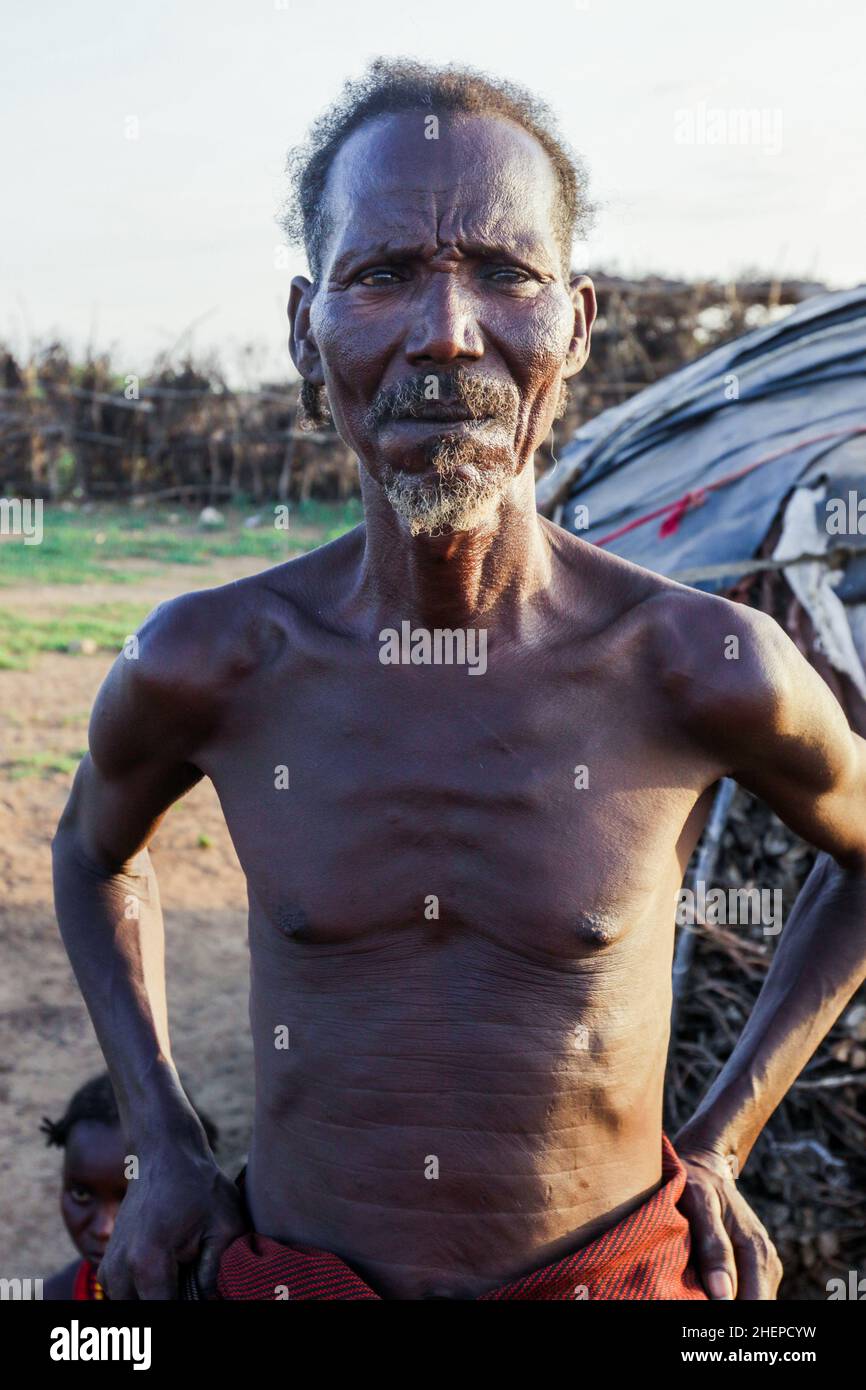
<point x="442" y="326"/>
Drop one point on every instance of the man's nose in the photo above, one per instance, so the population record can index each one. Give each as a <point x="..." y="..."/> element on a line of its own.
<point x="444" y="328"/>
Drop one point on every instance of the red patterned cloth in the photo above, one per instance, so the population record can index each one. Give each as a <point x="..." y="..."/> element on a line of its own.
<point x="86" y="1288"/>
<point x="645" y="1256"/>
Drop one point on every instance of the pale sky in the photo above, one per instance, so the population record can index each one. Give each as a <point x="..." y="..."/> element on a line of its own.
<point x="130" y="242"/>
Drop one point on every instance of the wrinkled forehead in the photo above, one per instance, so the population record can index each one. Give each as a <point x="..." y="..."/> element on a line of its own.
<point x="403" y="178"/>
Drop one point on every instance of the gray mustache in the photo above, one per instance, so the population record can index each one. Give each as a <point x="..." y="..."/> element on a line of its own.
<point x="480" y="396"/>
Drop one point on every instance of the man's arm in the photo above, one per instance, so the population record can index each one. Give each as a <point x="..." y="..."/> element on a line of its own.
<point x="772" y="723"/>
<point x="149" y="716"/>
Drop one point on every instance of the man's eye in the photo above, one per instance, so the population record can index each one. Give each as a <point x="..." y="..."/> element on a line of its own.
<point x="509" y="275"/>
<point x="80" y="1194"/>
<point x="379" y="275"/>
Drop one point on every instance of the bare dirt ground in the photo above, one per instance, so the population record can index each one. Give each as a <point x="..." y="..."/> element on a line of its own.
<point x="47" y="1044"/>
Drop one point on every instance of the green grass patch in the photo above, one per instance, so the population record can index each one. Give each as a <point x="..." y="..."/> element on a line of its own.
<point x="43" y="764"/>
<point x="107" y="624"/>
<point x="79" y="546"/>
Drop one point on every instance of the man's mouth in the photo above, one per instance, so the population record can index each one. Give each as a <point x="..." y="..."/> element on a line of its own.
<point x="462" y="400"/>
<point x="438" y="413"/>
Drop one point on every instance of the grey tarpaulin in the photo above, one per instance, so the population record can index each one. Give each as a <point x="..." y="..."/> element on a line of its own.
<point x="776" y="387"/>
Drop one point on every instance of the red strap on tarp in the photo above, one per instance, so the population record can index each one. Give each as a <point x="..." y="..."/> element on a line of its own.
<point x="675" y="511"/>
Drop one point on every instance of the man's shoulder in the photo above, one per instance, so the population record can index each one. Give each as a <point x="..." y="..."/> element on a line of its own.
<point x="197" y="639"/>
<point x="707" y="652"/>
<point x="216" y="637"/>
<point x="189" y="661"/>
<point x="718" y="660"/>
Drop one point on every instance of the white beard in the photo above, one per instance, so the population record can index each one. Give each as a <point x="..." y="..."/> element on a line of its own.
<point x="454" y="502"/>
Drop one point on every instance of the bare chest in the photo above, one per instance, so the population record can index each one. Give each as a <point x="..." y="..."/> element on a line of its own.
<point x="360" y="804"/>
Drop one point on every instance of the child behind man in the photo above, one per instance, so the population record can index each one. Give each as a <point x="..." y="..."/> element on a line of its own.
<point x="94" y="1182"/>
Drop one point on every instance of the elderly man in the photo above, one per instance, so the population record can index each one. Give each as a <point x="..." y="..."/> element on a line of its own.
<point x="464" y="758"/>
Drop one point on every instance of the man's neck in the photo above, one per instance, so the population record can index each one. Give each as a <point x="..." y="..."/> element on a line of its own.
<point x="486" y="575"/>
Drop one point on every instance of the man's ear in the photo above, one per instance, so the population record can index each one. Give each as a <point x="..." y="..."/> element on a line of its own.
<point x="302" y="342"/>
<point x="582" y="292"/>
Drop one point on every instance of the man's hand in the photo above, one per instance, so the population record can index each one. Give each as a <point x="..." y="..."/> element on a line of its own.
<point x="181" y="1210"/>
<point x="731" y="1250"/>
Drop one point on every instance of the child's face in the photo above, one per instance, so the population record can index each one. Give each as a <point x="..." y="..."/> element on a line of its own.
<point x="93" y="1185"/>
